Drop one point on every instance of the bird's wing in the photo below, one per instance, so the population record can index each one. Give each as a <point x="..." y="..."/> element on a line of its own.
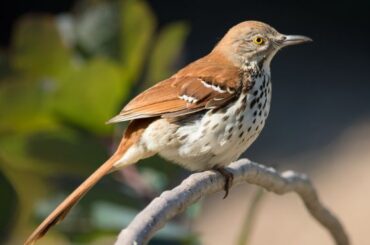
<point x="201" y="85"/>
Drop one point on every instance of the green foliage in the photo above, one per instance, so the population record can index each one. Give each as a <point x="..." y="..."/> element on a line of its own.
<point x="62" y="79"/>
<point x="24" y="106"/>
<point x="90" y="94"/>
<point x="7" y="192"/>
<point x="38" y="36"/>
<point x="52" y="152"/>
<point x="137" y="28"/>
<point x="166" y="49"/>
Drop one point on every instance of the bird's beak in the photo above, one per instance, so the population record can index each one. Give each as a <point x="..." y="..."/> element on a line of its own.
<point x="294" y="39"/>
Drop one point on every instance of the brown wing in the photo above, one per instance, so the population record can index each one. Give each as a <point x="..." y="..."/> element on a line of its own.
<point x="205" y="84"/>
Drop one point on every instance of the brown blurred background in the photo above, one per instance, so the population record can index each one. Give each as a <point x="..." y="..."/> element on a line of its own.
<point x="52" y="131"/>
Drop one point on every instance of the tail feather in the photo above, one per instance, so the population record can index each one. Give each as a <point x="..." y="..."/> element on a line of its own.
<point x="63" y="209"/>
<point x="132" y="135"/>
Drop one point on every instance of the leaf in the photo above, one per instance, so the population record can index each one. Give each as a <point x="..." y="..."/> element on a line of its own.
<point x="37" y="48"/>
<point x="51" y="152"/>
<point x="166" y="50"/>
<point x="24" y="106"/>
<point x="29" y="188"/>
<point x="156" y="179"/>
<point x="194" y="210"/>
<point x="137" y="28"/>
<point x="91" y="94"/>
<point x="109" y="216"/>
<point x="7" y="209"/>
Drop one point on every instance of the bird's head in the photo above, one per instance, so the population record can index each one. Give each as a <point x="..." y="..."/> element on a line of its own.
<point x="253" y="41"/>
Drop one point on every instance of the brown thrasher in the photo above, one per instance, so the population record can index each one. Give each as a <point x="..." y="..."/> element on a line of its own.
<point x="203" y="117"/>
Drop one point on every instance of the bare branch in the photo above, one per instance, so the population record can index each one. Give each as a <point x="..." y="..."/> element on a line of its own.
<point x="198" y="185"/>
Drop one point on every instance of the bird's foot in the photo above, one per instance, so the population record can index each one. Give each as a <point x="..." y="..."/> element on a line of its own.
<point x="229" y="177"/>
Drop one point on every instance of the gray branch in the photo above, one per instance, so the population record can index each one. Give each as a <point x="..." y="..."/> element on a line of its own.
<point x="198" y="185"/>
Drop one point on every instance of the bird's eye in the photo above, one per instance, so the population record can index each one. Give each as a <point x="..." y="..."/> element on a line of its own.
<point x="258" y="40"/>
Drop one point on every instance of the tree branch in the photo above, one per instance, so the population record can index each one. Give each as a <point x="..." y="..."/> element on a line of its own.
<point x="198" y="185"/>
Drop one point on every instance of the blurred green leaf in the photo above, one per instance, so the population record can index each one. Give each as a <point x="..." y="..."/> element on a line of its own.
<point x="52" y="152"/>
<point x="137" y="27"/>
<point x="173" y="231"/>
<point x="166" y="50"/>
<point x="37" y="48"/>
<point x="29" y="188"/>
<point x="24" y="106"/>
<point x="7" y="208"/>
<point x="91" y="94"/>
<point x="156" y="179"/>
<point x="194" y="210"/>
<point x="111" y="216"/>
<point x="114" y="217"/>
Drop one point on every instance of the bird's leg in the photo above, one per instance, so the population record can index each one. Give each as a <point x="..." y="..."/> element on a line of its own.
<point x="229" y="177"/>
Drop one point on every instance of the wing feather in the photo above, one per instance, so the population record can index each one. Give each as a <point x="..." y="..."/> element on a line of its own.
<point x="204" y="84"/>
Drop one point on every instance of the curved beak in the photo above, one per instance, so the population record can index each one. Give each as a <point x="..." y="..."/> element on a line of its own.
<point x="294" y="39"/>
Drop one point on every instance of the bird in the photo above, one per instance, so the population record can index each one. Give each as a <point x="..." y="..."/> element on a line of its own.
<point x="201" y="118"/>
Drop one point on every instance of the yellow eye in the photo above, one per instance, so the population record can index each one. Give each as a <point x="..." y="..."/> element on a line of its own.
<point x="258" y="40"/>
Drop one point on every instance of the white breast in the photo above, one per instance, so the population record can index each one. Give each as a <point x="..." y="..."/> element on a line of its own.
<point x="220" y="137"/>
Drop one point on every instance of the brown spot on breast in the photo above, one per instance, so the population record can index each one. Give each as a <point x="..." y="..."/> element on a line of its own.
<point x="264" y="104"/>
<point x="183" y="137"/>
<point x="253" y="103"/>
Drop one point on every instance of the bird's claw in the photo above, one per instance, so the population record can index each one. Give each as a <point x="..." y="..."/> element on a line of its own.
<point x="229" y="177"/>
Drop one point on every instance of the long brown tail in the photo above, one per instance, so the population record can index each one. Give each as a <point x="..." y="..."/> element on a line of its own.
<point x="62" y="210"/>
<point x="131" y="135"/>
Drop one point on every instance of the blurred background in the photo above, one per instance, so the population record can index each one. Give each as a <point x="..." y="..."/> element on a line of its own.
<point x="68" y="66"/>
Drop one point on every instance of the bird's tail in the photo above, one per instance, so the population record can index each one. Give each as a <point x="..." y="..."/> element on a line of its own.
<point x="62" y="210"/>
<point x="132" y="134"/>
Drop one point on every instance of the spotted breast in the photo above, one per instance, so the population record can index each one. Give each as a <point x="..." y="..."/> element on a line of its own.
<point x="216" y="137"/>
